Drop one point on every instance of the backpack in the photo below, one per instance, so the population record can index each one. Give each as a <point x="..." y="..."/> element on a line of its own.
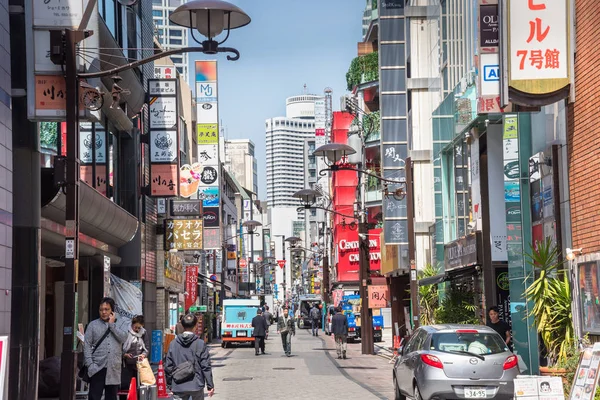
<point x="186" y="371"/>
<point x="314" y="313"/>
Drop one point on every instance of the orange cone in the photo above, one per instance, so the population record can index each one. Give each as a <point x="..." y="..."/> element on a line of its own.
<point x="161" y="383"/>
<point x="132" y="394"/>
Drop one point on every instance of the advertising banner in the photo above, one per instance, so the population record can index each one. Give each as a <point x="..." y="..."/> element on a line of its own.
<point x="348" y="253"/>
<point x="378" y="296"/>
<point x="191" y="285"/>
<point x="163" y="138"/>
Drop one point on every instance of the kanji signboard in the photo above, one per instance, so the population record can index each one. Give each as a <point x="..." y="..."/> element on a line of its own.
<point x="378" y="296"/>
<point x="183" y="234"/>
<point x="538" y="51"/>
<point x="191" y="285"/>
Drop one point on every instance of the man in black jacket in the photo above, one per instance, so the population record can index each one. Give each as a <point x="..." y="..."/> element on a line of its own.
<point x="187" y="367"/>
<point x="260" y="330"/>
<point x="339" y="328"/>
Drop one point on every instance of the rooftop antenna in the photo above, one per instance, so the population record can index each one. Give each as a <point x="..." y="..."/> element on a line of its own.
<point x="305" y="89"/>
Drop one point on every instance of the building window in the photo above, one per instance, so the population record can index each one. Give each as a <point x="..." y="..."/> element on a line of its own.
<point x="175" y="33"/>
<point x="157" y="13"/>
<point x="176" y="42"/>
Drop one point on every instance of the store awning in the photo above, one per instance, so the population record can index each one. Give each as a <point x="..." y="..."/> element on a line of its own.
<point x="457" y="273"/>
<point x="99" y="217"/>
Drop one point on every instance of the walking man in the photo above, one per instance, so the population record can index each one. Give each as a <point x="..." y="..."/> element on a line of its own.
<point x="187" y="367"/>
<point x="287" y="328"/>
<point x="339" y="328"/>
<point x="315" y="318"/>
<point x="260" y="330"/>
<point x="268" y="317"/>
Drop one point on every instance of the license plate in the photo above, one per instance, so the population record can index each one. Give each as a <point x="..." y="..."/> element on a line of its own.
<point x="475" y="393"/>
<point x="351" y="333"/>
<point x="239" y="334"/>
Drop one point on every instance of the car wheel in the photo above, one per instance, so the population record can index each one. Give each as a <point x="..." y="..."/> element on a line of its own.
<point x="417" y="395"/>
<point x="223" y="345"/>
<point x="397" y="393"/>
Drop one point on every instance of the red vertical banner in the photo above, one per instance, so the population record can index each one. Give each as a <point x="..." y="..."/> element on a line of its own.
<point x="191" y="285"/>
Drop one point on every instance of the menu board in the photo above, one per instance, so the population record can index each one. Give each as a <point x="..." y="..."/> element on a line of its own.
<point x="539" y="388"/>
<point x="585" y="380"/>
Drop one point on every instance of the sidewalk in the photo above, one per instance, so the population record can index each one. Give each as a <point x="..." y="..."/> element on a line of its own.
<point x="372" y="372"/>
<point x="384" y="348"/>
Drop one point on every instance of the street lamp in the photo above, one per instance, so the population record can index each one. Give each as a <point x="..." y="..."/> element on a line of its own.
<point x="209" y="17"/>
<point x="251" y="226"/>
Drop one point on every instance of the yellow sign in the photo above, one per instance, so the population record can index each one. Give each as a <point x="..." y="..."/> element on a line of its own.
<point x="231" y="255"/>
<point x="183" y="234"/>
<point x="207" y="133"/>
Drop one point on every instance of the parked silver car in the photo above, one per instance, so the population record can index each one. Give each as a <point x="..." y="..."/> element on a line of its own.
<point x="455" y="361"/>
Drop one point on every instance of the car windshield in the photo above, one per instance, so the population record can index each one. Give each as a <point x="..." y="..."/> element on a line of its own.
<point x="480" y="343"/>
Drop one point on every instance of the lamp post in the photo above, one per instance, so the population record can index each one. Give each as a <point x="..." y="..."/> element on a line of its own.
<point x="251" y="226"/>
<point x="333" y="153"/>
<point x="210" y="18"/>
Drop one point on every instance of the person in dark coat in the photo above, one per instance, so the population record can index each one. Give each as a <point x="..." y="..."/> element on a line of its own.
<point x="259" y="323"/>
<point x="339" y="328"/>
<point x="185" y="349"/>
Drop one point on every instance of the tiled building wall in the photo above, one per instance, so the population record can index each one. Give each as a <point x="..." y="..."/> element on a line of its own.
<point x="584" y="133"/>
<point x="6" y="198"/>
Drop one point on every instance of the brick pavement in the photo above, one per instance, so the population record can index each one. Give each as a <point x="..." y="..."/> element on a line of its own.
<point x="312" y="372"/>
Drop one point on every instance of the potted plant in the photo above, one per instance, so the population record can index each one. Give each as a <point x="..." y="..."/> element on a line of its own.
<point x="550" y="293"/>
<point x="457" y="307"/>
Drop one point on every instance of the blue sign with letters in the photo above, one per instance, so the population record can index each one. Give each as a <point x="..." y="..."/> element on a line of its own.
<point x="157" y="346"/>
<point x="491" y="73"/>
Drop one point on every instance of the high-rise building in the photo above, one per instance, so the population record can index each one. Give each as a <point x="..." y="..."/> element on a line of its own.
<point x="241" y="162"/>
<point x="171" y="36"/>
<point x="285" y="139"/>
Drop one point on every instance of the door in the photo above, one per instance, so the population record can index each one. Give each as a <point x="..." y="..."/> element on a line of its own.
<point x="407" y="362"/>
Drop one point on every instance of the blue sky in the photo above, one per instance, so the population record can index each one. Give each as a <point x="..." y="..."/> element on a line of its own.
<point x="289" y="43"/>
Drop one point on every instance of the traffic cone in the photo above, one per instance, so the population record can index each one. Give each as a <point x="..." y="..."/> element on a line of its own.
<point x="132" y="394"/>
<point x="161" y="383"/>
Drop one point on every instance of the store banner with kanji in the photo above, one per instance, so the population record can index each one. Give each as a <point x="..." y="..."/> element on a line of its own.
<point x="191" y="285"/>
<point x="163" y="137"/>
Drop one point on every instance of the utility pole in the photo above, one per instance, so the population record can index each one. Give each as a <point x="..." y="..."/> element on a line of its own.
<point x="366" y="321"/>
<point x="414" y="288"/>
<point x="69" y="356"/>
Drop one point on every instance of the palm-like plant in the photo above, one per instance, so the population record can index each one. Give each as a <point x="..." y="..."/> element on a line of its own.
<point x="428" y="296"/>
<point x="550" y="293"/>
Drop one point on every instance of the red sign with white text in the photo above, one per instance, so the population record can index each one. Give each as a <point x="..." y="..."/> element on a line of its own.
<point x="347" y="244"/>
<point x="281" y="263"/>
<point x="191" y="285"/>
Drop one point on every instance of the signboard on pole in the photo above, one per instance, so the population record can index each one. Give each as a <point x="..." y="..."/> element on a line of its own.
<point x="191" y="285"/>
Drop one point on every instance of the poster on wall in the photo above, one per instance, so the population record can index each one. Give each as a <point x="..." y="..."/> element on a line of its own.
<point x="589" y="300"/>
<point x="128" y="298"/>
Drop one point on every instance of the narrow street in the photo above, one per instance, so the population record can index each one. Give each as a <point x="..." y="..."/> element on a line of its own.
<point x="312" y="372"/>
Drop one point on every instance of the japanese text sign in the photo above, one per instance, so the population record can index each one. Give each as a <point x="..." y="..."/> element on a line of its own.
<point x="164" y="137"/>
<point x="207" y="133"/>
<point x="183" y="234"/>
<point x="191" y="285"/>
<point x="378" y="296"/>
<point x="538" y="43"/>
<point x="186" y="208"/>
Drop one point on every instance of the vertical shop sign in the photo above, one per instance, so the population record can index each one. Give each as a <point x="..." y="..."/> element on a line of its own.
<point x="163" y="137"/>
<point x="191" y="285"/>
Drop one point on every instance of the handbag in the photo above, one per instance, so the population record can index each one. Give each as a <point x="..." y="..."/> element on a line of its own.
<point x="145" y="373"/>
<point x="83" y="372"/>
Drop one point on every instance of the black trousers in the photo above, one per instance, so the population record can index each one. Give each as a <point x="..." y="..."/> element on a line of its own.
<point x="97" y="386"/>
<point x="259" y="342"/>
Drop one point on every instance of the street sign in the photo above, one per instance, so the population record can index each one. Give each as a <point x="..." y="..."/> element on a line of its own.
<point x="213" y="278"/>
<point x="281" y="263"/>
<point x="243" y="262"/>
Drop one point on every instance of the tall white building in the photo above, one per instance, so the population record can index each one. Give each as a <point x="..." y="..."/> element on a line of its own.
<point x="285" y="142"/>
<point x="241" y="162"/>
<point x="171" y="36"/>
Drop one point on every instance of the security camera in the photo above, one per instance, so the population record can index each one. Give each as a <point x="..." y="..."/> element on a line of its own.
<point x="472" y="225"/>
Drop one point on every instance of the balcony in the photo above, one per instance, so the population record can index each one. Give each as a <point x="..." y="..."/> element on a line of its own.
<point x="363" y="69"/>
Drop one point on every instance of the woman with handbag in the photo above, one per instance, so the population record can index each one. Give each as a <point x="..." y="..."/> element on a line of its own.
<point x="103" y="353"/>
<point x="135" y="350"/>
